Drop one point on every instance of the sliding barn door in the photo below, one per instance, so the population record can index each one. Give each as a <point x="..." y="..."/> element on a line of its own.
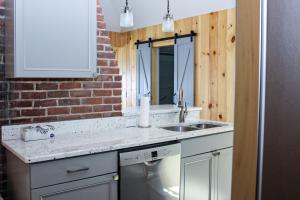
<point x="144" y="63"/>
<point x="184" y="69"/>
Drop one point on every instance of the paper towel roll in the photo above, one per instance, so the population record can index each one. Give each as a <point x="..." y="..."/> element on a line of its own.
<point x="144" y="119"/>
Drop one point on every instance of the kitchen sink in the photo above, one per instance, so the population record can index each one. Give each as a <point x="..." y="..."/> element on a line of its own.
<point x="206" y="125"/>
<point x="193" y="127"/>
<point x="180" y="128"/>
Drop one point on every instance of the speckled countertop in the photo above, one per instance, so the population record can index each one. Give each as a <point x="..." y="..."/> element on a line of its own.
<point x="77" y="144"/>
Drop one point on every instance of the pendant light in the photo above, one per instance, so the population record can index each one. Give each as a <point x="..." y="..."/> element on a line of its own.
<point x="168" y="21"/>
<point x="126" y="17"/>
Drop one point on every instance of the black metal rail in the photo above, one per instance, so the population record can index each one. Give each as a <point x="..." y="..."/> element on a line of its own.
<point x="175" y="37"/>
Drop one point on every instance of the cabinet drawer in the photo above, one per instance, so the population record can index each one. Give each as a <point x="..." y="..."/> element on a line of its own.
<point x="60" y="171"/>
<point x="205" y="144"/>
<point x="96" y="188"/>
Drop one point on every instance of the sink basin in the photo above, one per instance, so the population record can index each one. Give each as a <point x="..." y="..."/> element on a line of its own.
<point x="206" y="125"/>
<point x="193" y="127"/>
<point x="180" y="128"/>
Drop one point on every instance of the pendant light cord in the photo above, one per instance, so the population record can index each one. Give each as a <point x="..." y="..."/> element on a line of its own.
<point x="126" y="6"/>
<point x="168" y="7"/>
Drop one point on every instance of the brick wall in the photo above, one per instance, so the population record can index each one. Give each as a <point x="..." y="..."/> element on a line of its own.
<point x="45" y="100"/>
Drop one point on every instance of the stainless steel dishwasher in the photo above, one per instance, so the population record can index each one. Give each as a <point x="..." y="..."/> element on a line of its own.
<point x="150" y="174"/>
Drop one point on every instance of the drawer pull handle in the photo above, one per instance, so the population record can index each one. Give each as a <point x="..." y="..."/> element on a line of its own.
<point x="116" y="177"/>
<point x="71" y="171"/>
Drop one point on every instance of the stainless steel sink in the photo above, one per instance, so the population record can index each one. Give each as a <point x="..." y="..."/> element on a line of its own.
<point x="193" y="127"/>
<point x="206" y="125"/>
<point x="180" y="128"/>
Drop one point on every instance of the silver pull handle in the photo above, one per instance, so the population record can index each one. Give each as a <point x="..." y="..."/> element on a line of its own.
<point x="216" y="153"/>
<point x="116" y="177"/>
<point x="71" y="171"/>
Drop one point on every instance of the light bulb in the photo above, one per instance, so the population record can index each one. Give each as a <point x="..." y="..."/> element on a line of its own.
<point x="168" y="24"/>
<point x="126" y="18"/>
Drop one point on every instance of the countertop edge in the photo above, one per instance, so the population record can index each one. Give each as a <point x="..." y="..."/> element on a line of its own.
<point x="91" y="151"/>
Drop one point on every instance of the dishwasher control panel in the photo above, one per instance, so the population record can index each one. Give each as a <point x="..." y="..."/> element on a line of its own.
<point x="151" y="154"/>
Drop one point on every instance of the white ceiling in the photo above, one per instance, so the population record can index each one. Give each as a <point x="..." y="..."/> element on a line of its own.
<point x="150" y="12"/>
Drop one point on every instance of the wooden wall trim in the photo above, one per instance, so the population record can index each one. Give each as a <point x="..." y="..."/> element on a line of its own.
<point x="247" y="100"/>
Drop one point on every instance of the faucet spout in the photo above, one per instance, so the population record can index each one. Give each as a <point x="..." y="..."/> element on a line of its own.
<point x="183" y="107"/>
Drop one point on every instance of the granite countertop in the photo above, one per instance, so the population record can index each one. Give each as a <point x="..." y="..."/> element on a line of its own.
<point x="78" y="144"/>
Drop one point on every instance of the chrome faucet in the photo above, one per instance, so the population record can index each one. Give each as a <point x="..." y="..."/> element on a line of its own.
<point x="183" y="107"/>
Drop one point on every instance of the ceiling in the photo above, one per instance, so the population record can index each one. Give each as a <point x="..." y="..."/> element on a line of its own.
<point x="150" y="12"/>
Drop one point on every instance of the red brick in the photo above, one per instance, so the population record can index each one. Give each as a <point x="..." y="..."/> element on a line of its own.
<point x="82" y="109"/>
<point x="113" y="63"/>
<point x="102" y="93"/>
<point x="118" y="107"/>
<point x="72" y="85"/>
<point x="118" y="78"/>
<point x="33" y="112"/>
<point x="92" y="85"/>
<point x="46" y="86"/>
<point x="13" y="95"/>
<point x="112" y="100"/>
<point x="99" y="9"/>
<point x="104" y="78"/>
<point x="112" y="85"/>
<point x="58" y="94"/>
<point x="91" y="101"/>
<point x="102" y="108"/>
<point x="20" y="104"/>
<point x="21" y="86"/>
<point x="100" y="18"/>
<point x="68" y="102"/>
<point x="69" y="117"/>
<point x="103" y="40"/>
<point x="102" y="63"/>
<point x="117" y="92"/>
<point x="100" y="47"/>
<point x="21" y="121"/>
<point x="45" y="119"/>
<point x="104" y="33"/>
<point x="107" y="70"/>
<point x="105" y="55"/>
<point x="112" y="114"/>
<point x="33" y="95"/>
<point x="58" y="111"/>
<point x="14" y="113"/>
<point x="101" y="25"/>
<point x="80" y="93"/>
<point x="45" y="103"/>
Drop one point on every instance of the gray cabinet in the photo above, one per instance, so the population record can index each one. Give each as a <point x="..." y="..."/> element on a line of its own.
<point x="197" y="177"/>
<point x="98" y="188"/>
<point x="92" y="177"/>
<point x="51" y="38"/>
<point x="207" y="176"/>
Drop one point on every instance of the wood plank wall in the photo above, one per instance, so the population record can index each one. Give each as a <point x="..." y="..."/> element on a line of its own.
<point x="215" y="61"/>
<point x="247" y="100"/>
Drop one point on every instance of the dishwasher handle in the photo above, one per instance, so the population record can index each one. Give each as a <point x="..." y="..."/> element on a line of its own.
<point x="152" y="163"/>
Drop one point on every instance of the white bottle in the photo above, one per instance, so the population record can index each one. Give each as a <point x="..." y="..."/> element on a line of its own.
<point x="144" y="118"/>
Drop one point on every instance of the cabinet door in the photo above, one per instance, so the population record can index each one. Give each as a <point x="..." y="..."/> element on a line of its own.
<point x="198" y="177"/>
<point x="55" y="38"/>
<point x="98" y="188"/>
<point x="224" y="160"/>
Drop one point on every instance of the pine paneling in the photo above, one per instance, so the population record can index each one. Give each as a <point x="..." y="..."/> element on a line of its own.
<point x="214" y="64"/>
